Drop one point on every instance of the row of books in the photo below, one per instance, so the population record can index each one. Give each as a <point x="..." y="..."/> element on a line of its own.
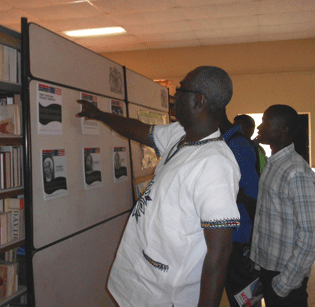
<point x="15" y="256"/>
<point x="11" y="220"/>
<point x="9" y="278"/>
<point x="11" y="166"/>
<point x="10" y="64"/>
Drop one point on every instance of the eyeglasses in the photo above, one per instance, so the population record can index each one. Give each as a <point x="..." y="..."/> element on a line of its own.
<point x="183" y="90"/>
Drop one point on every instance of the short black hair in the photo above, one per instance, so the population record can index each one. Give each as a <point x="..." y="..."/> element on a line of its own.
<point x="289" y="116"/>
<point x="215" y="84"/>
<point x="246" y="120"/>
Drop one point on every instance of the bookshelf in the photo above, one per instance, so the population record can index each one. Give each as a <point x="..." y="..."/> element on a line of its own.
<point x="8" y="87"/>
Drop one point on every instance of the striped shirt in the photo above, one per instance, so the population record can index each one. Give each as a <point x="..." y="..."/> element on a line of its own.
<point x="284" y="230"/>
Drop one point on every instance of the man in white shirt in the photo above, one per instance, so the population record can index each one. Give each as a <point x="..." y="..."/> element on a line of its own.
<point x="177" y="242"/>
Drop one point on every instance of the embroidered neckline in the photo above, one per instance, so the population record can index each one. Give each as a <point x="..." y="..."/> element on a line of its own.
<point x="198" y="143"/>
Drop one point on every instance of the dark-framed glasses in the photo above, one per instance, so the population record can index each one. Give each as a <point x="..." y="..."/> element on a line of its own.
<point x="183" y="90"/>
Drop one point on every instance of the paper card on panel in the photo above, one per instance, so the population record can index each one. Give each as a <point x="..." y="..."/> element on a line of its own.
<point x="120" y="163"/>
<point x="152" y="118"/>
<point x="90" y="127"/>
<point x="49" y="104"/>
<point x="92" y="167"/>
<point x="54" y="173"/>
<point x="117" y="108"/>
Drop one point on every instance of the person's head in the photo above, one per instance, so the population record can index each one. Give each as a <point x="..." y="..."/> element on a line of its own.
<point x="247" y="122"/>
<point x="206" y="87"/>
<point x="279" y="124"/>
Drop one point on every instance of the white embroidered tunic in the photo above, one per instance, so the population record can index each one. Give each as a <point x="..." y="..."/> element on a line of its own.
<point x="163" y="247"/>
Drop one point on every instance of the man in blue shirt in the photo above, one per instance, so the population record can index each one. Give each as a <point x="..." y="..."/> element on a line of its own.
<point x="240" y="269"/>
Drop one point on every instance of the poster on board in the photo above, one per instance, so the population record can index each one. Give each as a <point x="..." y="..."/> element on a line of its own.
<point x="49" y="104"/>
<point x="120" y="164"/>
<point x="92" y="167"/>
<point x="116" y="107"/>
<point x="89" y="126"/>
<point x="54" y="173"/>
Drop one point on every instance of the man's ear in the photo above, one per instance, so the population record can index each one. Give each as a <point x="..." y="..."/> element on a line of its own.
<point x="200" y="101"/>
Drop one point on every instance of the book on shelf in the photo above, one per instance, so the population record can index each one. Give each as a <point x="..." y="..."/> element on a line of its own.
<point x="13" y="65"/>
<point x="5" y="227"/>
<point x="15" y="207"/>
<point x="10" y="120"/>
<point x="11" y="166"/>
<point x="11" y="255"/>
<point x="5" y="170"/>
<point x="1" y="171"/>
<point x="10" y="59"/>
<point x="6" y="64"/>
<point x="8" y="278"/>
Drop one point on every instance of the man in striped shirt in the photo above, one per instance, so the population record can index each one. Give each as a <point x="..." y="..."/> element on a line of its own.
<point x="283" y="242"/>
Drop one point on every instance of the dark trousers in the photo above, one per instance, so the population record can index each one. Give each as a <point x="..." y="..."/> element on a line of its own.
<point x="296" y="298"/>
<point x="240" y="272"/>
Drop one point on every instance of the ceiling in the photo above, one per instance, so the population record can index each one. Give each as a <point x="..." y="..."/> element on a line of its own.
<point x="154" y="24"/>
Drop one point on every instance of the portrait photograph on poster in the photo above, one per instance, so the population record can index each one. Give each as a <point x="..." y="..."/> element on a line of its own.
<point x="54" y="173"/>
<point x="92" y="167"/>
<point x="120" y="164"/>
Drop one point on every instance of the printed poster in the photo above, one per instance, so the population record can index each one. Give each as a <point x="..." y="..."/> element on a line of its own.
<point x="92" y="167"/>
<point x="120" y="164"/>
<point x="117" y="107"/>
<point x="54" y="173"/>
<point x="89" y="126"/>
<point x="49" y="100"/>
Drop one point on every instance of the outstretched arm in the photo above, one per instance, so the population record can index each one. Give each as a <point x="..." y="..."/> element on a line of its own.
<point x="219" y="244"/>
<point x="128" y="127"/>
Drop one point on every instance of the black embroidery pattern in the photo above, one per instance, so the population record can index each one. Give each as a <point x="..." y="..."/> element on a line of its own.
<point x="142" y="202"/>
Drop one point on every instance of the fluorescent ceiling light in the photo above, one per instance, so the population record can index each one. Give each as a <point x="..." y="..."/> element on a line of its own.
<point x="110" y="31"/>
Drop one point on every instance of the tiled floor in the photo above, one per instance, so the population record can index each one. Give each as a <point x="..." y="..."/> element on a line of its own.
<point x="310" y="290"/>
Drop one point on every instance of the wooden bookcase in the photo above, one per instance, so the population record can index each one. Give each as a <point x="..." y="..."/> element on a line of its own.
<point x="11" y="39"/>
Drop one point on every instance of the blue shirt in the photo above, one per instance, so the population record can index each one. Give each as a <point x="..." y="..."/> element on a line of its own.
<point x="245" y="155"/>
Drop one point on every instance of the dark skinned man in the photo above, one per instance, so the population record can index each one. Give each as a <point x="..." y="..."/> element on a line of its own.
<point x="177" y="242"/>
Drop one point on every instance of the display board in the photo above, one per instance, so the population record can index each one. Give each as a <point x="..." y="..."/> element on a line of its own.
<point x="75" y="197"/>
<point x="59" y="60"/>
<point x="74" y="272"/>
<point x="79" y="172"/>
<point x="145" y="92"/>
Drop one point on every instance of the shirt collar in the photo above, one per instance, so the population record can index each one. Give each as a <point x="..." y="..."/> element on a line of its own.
<point x="281" y="153"/>
<point x="212" y="135"/>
